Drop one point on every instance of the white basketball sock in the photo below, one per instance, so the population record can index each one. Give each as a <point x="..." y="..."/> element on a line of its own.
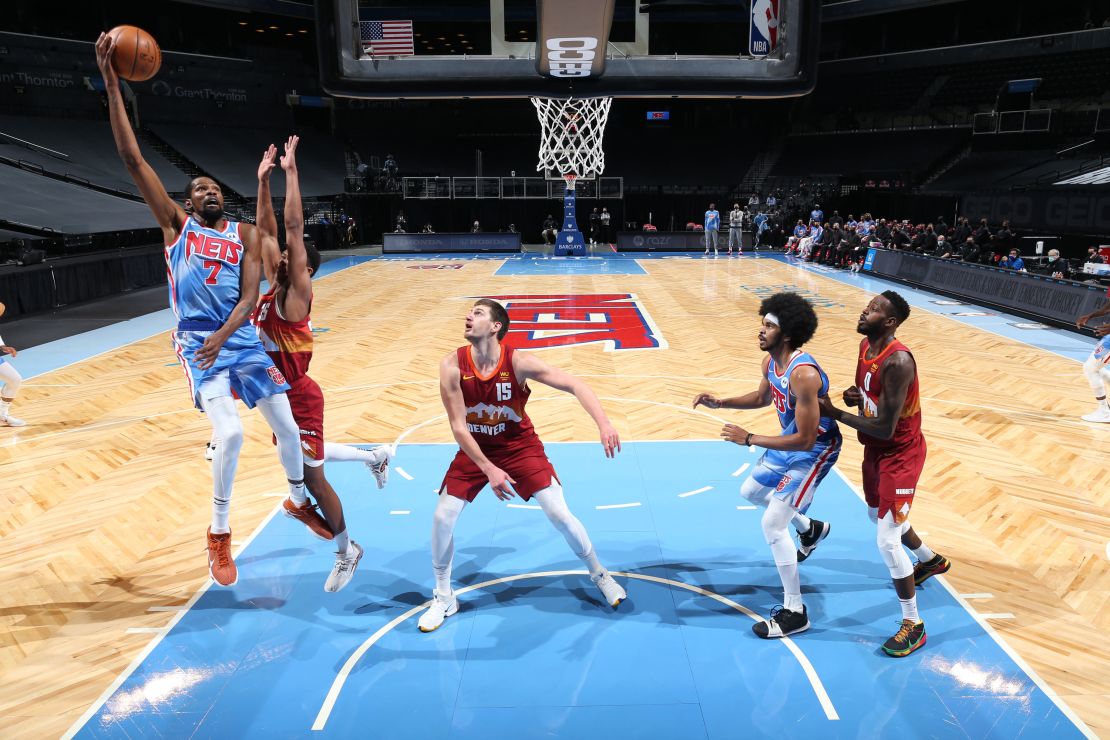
<point x="224" y="418"/>
<point x="909" y="609"/>
<point x="443" y="539"/>
<point x="335" y="452"/>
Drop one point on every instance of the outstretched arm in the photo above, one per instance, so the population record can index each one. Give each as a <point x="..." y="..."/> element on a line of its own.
<point x="898" y="373"/>
<point x="529" y="367"/>
<point x="298" y="298"/>
<point x="756" y="399"/>
<point x="450" y="392"/>
<point x="168" y="214"/>
<point x="1082" y="320"/>
<point x="264" y="216"/>
<point x="805" y="384"/>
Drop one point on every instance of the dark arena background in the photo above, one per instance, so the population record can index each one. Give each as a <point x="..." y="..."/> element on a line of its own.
<point x="954" y="151"/>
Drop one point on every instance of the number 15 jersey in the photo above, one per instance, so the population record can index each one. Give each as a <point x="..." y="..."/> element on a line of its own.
<point x="495" y="414"/>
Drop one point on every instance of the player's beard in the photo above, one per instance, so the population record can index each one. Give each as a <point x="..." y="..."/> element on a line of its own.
<point x="211" y="212"/>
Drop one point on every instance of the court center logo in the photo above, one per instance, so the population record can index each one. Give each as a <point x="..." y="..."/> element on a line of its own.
<point x="619" y="321"/>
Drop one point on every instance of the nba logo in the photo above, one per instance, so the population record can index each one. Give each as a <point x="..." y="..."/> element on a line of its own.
<point x="764" y="37"/>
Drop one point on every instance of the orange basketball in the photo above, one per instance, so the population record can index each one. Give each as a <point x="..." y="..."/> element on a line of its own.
<point x="137" y="56"/>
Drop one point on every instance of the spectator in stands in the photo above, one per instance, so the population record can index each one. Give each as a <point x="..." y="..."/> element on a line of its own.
<point x="772" y="201"/>
<point x="753" y="201"/>
<point x="970" y="251"/>
<point x="606" y="221"/>
<point x="817" y="214"/>
<point x="899" y="237"/>
<point x="549" y="231"/>
<point x="389" y="172"/>
<point x="835" y="218"/>
<point x="351" y="231"/>
<point x="475" y="227"/>
<point x="917" y="241"/>
<point x="930" y="240"/>
<point x="1003" y="239"/>
<point x="401" y="223"/>
<point x="712" y="223"/>
<point x="1093" y="257"/>
<point x="1055" y="267"/>
<point x="963" y="230"/>
<point x="982" y="234"/>
<point x="944" y="248"/>
<point x="1013" y="262"/>
<point x="940" y="226"/>
<point x="851" y="221"/>
<point x="428" y="229"/>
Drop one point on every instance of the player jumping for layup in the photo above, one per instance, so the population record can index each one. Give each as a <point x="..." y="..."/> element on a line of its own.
<point x="889" y="426"/>
<point x="484" y="387"/>
<point x="214" y="268"/>
<point x="798" y="459"/>
<point x="285" y="329"/>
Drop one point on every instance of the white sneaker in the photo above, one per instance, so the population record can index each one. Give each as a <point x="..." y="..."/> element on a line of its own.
<point x="11" y="421"/>
<point x="379" y="466"/>
<point x="209" y="451"/>
<point x="612" y="591"/>
<point x="441" y="608"/>
<point x="1100" y="415"/>
<point x="344" y="569"/>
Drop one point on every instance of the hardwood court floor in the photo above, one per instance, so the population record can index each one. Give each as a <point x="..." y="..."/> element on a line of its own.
<point x="107" y="495"/>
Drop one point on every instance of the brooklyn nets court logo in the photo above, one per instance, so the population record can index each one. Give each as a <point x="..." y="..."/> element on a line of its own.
<point x="618" y="320"/>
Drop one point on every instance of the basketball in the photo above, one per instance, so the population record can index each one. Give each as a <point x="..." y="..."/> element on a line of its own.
<point x="137" y="56"/>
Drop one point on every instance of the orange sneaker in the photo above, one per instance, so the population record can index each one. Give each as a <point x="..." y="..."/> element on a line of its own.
<point x="311" y="518"/>
<point x="220" y="563"/>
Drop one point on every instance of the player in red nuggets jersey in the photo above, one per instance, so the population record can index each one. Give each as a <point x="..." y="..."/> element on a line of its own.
<point x="484" y="387"/>
<point x="282" y="321"/>
<point x="889" y="425"/>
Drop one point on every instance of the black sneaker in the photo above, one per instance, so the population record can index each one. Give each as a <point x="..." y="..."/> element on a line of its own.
<point x="807" y="541"/>
<point x="783" y="622"/>
<point x="910" y="637"/>
<point x="924" y="571"/>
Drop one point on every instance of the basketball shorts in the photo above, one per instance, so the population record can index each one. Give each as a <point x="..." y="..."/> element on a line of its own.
<point x="250" y="372"/>
<point x="1102" y="350"/>
<point x="307" y="403"/>
<point x="890" y="477"/>
<point x="532" y="472"/>
<point x="793" y="477"/>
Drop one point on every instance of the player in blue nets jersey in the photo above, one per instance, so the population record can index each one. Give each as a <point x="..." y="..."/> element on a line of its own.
<point x="797" y="459"/>
<point x="214" y="267"/>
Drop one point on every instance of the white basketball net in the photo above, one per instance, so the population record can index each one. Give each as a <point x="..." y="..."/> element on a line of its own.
<point x="570" y="135"/>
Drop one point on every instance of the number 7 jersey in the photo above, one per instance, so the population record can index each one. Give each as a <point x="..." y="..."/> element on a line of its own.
<point x="495" y="414"/>
<point x="203" y="266"/>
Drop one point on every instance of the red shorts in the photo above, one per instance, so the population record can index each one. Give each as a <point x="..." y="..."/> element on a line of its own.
<point x="532" y="473"/>
<point x="307" y="402"/>
<point x="890" y="477"/>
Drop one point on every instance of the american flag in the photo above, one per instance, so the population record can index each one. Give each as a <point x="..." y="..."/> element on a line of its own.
<point x="387" y="38"/>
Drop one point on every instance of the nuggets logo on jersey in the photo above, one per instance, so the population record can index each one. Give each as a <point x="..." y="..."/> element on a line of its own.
<point x="618" y="320"/>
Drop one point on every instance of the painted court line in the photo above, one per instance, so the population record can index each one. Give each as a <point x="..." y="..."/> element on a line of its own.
<point x="695" y="492"/>
<point x="402" y="472"/>
<point x="400" y="512"/>
<point x="1005" y="646"/>
<point x="344" y="672"/>
<point x="747" y="508"/>
<point x="162" y="632"/>
<point x="740" y="470"/>
<point x="618" y="506"/>
<point x="524" y="506"/>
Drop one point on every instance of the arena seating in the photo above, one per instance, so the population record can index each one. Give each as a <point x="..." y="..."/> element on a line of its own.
<point x="231" y="155"/>
<point x="89" y="145"/>
<point x="40" y="201"/>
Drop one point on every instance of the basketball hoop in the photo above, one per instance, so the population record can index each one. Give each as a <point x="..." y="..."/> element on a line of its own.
<point x="571" y="131"/>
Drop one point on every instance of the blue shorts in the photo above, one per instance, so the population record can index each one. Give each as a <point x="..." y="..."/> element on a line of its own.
<point x="1102" y="350"/>
<point x="793" y="477"/>
<point x="242" y="367"/>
